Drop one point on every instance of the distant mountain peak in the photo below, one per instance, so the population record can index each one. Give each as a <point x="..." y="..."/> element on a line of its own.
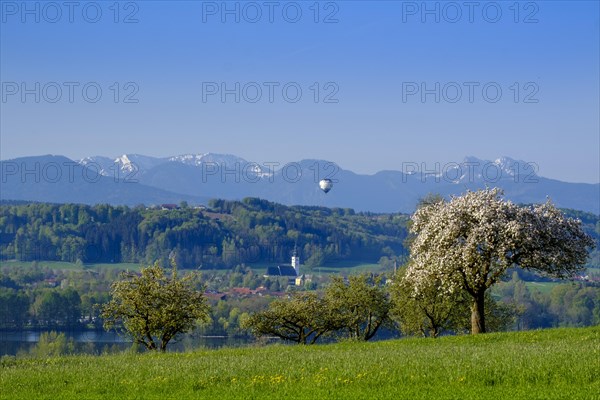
<point x="514" y="167"/>
<point x="472" y="159"/>
<point x="188" y="159"/>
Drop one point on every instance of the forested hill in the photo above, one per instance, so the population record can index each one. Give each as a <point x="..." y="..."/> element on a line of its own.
<point x="225" y="234"/>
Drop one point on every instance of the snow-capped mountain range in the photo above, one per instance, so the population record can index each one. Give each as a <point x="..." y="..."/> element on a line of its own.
<point x="470" y="169"/>
<point x="128" y="164"/>
<point x="133" y="179"/>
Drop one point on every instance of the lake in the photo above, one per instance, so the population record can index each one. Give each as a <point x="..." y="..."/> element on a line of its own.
<point x="96" y="342"/>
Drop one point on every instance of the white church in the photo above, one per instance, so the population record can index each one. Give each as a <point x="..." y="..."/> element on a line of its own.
<point x="290" y="271"/>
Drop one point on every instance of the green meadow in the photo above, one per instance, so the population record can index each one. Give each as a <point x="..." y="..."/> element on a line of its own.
<point x="345" y="267"/>
<point x="545" y="364"/>
<point x="340" y="267"/>
<point x="69" y="266"/>
<point x="542" y="287"/>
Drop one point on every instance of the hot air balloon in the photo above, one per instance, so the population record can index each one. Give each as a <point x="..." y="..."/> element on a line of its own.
<point x="326" y="185"/>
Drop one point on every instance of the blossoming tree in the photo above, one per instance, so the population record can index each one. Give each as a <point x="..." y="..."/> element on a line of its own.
<point x="469" y="242"/>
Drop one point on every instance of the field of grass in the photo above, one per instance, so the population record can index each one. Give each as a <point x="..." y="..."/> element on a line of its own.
<point x="348" y="267"/>
<point x="545" y="364"/>
<point x="341" y="267"/>
<point x="63" y="265"/>
<point x="542" y="287"/>
<point x="345" y="267"/>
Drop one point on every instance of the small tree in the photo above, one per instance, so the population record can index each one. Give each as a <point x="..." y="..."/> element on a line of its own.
<point x="53" y="344"/>
<point x="427" y="312"/>
<point x="362" y="306"/>
<point x="431" y="311"/>
<point x="153" y="307"/>
<point x="302" y="319"/>
<point x="469" y="243"/>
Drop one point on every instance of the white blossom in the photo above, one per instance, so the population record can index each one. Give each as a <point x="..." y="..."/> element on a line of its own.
<point x="469" y="242"/>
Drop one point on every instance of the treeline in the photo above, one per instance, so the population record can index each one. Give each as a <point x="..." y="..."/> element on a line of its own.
<point x="226" y="234"/>
<point x="42" y="298"/>
<point x="362" y="306"/>
<point x="36" y="297"/>
<point x="565" y="304"/>
<point x="28" y="302"/>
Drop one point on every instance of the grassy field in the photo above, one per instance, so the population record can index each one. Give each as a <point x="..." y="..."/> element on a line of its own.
<point x="546" y="364"/>
<point x="348" y="267"/>
<point x="542" y="287"/>
<point x="341" y="267"/>
<point x="63" y="265"/>
<point x="345" y="267"/>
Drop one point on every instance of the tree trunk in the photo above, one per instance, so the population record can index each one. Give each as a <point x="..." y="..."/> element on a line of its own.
<point x="149" y="345"/>
<point x="163" y="343"/>
<point x="301" y="336"/>
<point x="478" y="314"/>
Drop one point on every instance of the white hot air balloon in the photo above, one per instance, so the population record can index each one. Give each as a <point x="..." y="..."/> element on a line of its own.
<point x="326" y="185"/>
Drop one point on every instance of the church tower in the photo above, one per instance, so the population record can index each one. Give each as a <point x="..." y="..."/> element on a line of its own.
<point x="296" y="261"/>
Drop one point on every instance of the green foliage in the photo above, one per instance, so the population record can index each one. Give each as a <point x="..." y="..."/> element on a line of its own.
<point x="43" y="294"/>
<point x="357" y="309"/>
<point x="558" y="304"/>
<point x="14" y="308"/>
<point x="537" y="306"/>
<point x="228" y="317"/>
<point x="52" y="344"/>
<point x="361" y="306"/>
<point x="155" y="307"/>
<point x="302" y="319"/>
<point x="231" y="233"/>
<point x="429" y="311"/>
<point x="546" y="364"/>
<point x="54" y="307"/>
<point x="500" y="316"/>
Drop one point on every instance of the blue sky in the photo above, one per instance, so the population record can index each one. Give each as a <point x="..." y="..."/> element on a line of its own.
<point x="374" y="58"/>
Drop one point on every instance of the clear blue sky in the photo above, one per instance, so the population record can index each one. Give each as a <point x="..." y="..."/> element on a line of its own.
<point x="374" y="57"/>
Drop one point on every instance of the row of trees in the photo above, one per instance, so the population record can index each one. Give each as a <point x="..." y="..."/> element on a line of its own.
<point x="43" y="298"/>
<point x="154" y="307"/>
<point x="359" y="307"/>
<point x="565" y="304"/>
<point x="356" y="309"/>
<point x="511" y="306"/>
<point x="48" y="308"/>
<point x="557" y="304"/>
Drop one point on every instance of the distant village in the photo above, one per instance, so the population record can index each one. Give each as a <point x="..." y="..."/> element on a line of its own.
<point x="290" y="271"/>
